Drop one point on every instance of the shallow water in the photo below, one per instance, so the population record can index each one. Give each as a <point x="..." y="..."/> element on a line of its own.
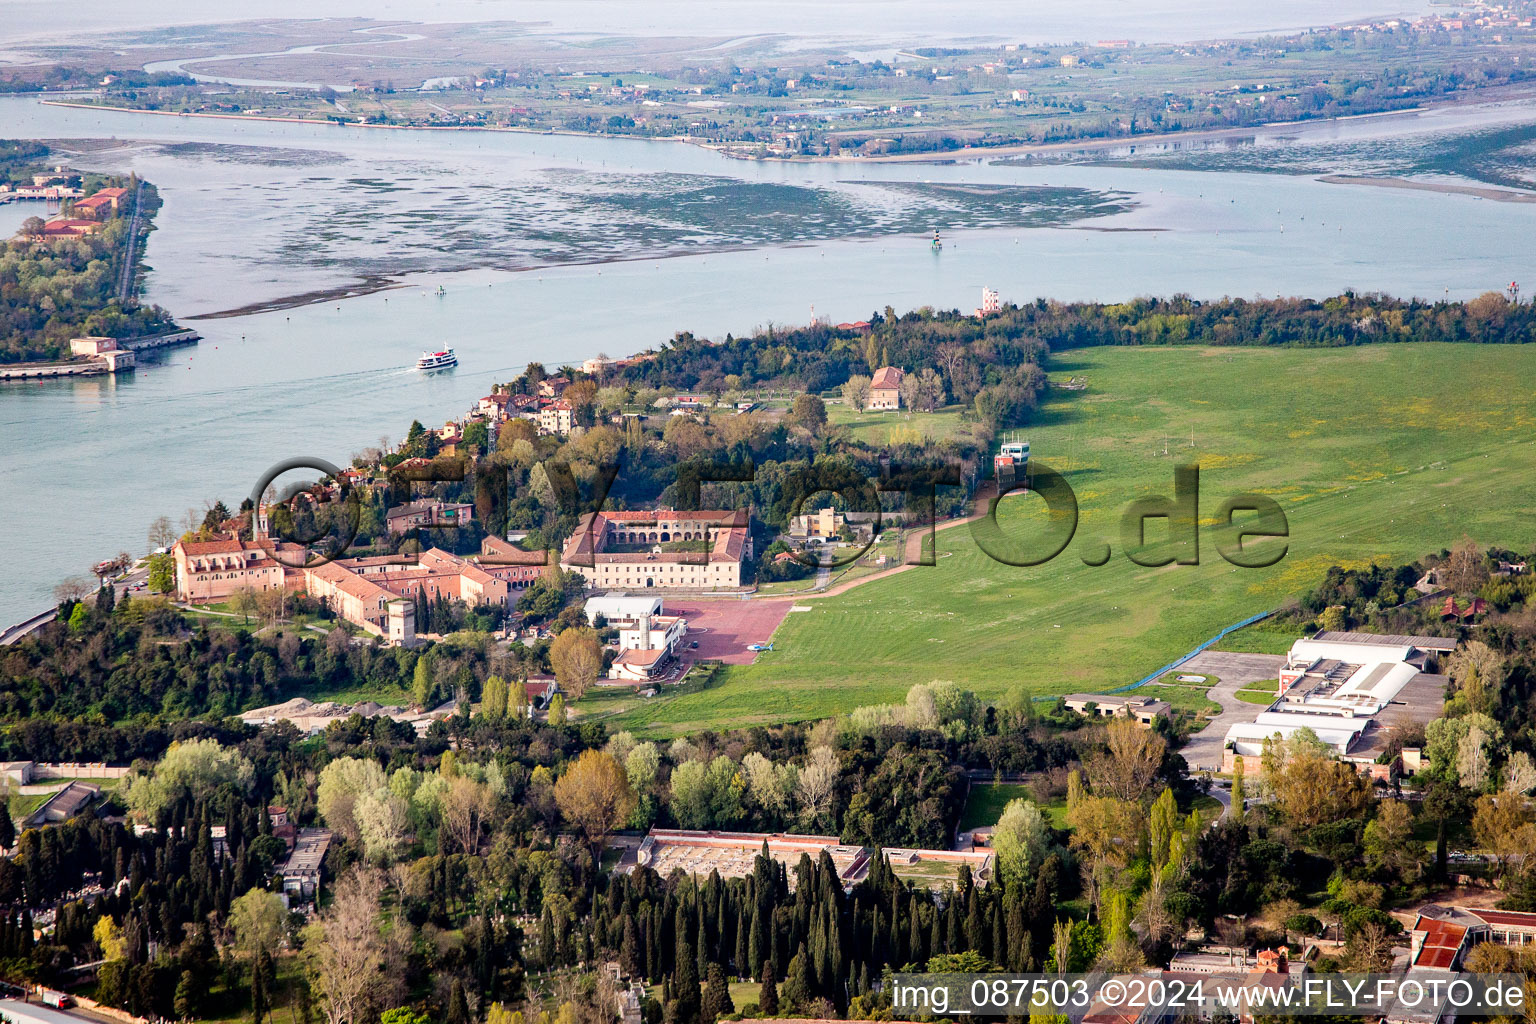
<point x="89" y="463"/>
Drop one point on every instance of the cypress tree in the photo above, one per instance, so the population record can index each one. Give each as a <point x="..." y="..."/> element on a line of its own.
<point x="458" y="1005"/>
<point x="768" y="994"/>
<point x="741" y="958"/>
<point x="717" y="997"/>
<point x="629" y="950"/>
<point x="686" y="990"/>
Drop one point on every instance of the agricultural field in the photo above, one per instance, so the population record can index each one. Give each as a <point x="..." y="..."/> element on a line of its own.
<point x="1376" y="453"/>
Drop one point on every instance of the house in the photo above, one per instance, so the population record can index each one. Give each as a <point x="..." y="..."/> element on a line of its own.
<point x="554" y="419"/>
<point x="885" y="389"/>
<point x="494" y="407"/>
<point x="823" y="524"/>
<point x="856" y="326"/>
<point x="553" y="387"/>
<point x="428" y="513"/>
<point x="1144" y="710"/>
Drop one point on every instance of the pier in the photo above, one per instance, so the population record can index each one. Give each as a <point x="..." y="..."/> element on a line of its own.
<point x="104" y="355"/>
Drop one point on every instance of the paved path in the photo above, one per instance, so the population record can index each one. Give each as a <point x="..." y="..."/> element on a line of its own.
<point x="1203" y="751"/>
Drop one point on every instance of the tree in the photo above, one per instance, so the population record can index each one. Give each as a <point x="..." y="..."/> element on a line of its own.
<point x="818" y="780"/>
<point x="1131" y="763"/>
<point x="1239" y="790"/>
<point x="808" y="413"/>
<point x="1466" y="570"/>
<point x="594" y="794"/>
<point x="347" y="951"/>
<point x="1334" y="618"/>
<point x="263" y="976"/>
<point x="1502" y="825"/>
<point x="1021" y="840"/>
<point x="33" y="227"/>
<point x="192" y="768"/>
<point x="185" y="1002"/>
<point x="161" y="533"/>
<point x="422" y="685"/>
<point x="557" y="710"/>
<point x="493" y="699"/>
<point x="1311" y="786"/>
<point x="577" y="657"/>
<point x="162" y="574"/>
<point x="458" y="1004"/>
<point x="768" y="994"/>
<point x="75" y="588"/>
<point x="464" y="808"/>
<point x="856" y="392"/>
<point x="343" y="783"/>
<point x="260" y="922"/>
<point x="1387" y="841"/>
<point x="717" y="996"/>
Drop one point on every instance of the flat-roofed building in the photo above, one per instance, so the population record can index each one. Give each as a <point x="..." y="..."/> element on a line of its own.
<point x="1142" y="709"/>
<point x="301" y="871"/>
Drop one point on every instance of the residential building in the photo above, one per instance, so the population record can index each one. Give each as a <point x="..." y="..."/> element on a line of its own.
<point x="823" y="524"/>
<point x="885" y="389"/>
<point x="518" y="568"/>
<point x="434" y="573"/>
<point x="428" y="513"/>
<point x="553" y="387"/>
<point x="626" y="550"/>
<point x="70" y="227"/>
<point x="554" y="419"/>
<point x="102" y="204"/>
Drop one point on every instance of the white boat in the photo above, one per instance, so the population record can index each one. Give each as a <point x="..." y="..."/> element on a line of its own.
<point x="437" y="360"/>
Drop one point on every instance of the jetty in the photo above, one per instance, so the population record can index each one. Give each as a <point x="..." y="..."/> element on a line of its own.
<point x="96" y="356"/>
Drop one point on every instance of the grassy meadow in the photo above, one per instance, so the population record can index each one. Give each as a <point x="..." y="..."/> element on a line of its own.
<point x="1377" y="453"/>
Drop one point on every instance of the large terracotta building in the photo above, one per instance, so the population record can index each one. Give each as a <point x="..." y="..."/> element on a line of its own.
<point x="661" y="548"/>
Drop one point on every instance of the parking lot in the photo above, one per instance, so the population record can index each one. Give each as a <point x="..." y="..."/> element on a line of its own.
<point x="723" y="629"/>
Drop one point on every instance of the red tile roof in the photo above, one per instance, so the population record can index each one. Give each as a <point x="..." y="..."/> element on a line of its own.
<point x="886" y="377"/>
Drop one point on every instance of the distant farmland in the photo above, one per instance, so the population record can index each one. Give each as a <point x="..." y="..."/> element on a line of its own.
<point x="1375" y="453"/>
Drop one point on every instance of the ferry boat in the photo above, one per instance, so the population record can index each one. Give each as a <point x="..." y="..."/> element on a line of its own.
<point x="437" y="360"/>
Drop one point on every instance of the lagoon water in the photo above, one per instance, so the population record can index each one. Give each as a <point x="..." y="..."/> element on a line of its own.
<point x="517" y="229"/>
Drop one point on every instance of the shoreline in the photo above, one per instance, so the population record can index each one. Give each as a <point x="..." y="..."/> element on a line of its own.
<point x="1498" y="195"/>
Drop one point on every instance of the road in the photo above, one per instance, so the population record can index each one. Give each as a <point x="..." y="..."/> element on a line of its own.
<point x="1203" y="751"/>
<point x="125" y="280"/>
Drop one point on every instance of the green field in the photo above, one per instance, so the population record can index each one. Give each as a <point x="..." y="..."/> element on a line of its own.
<point x="1375" y="453"/>
<point x="881" y="428"/>
<point x="985" y="803"/>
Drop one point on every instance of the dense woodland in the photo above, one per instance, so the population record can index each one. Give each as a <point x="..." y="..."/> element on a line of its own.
<point x="466" y="881"/>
